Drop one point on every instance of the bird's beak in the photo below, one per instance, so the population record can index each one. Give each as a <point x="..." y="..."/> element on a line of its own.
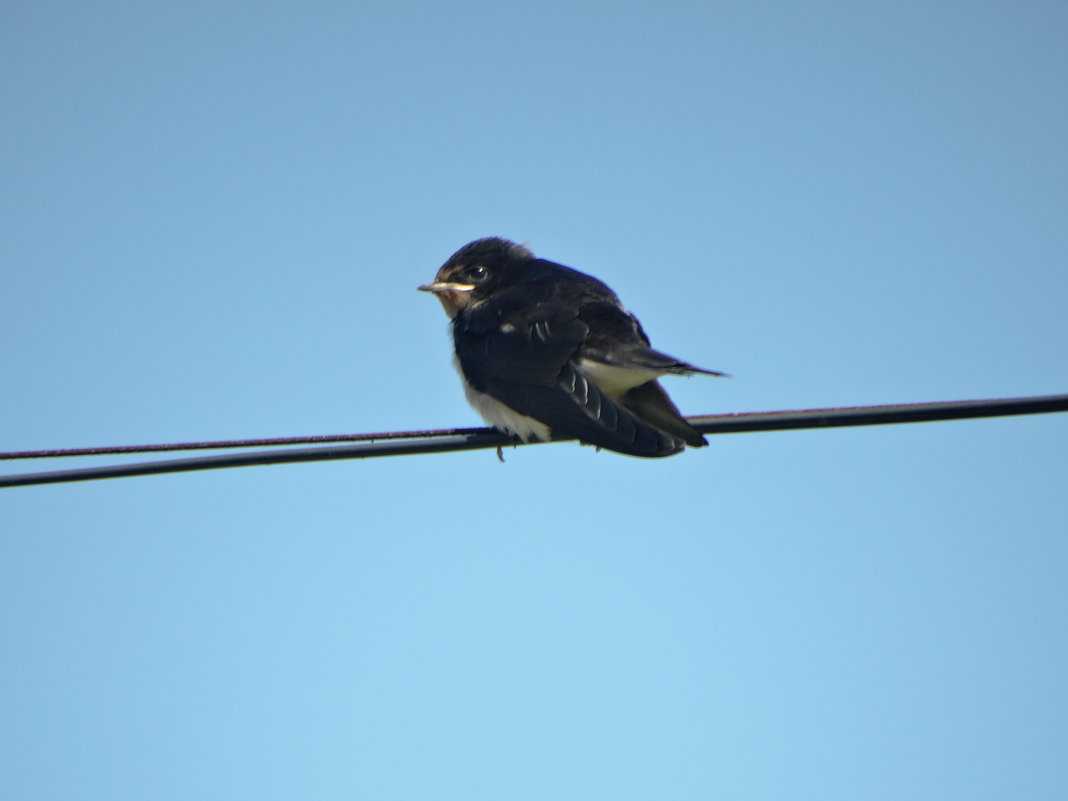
<point x="446" y="286"/>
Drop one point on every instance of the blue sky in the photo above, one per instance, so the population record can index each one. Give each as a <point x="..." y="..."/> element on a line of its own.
<point x="215" y="220"/>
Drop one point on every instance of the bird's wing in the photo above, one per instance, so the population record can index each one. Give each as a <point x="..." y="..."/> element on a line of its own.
<point x="617" y="340"/>
<point x="645" y="358"/>
<point x="526" y="360"/>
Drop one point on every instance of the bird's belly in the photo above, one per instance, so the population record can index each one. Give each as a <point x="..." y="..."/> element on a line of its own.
<point x="502" y="417"/>
<point x="613" y="380"/>
<point x="505" y="418"/>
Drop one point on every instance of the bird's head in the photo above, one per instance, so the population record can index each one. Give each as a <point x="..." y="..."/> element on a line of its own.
<point x="474" y="271"/>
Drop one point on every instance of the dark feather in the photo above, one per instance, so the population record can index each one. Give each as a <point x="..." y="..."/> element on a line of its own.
<point x="528" y="366"/>
<point x="526" y="328"/>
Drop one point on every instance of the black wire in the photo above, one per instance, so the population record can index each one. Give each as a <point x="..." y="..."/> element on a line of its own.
<point x="283" y="456"/>
<point x="236" y="443"/>
<point x="877" y="415"/>
<point x="471" y="439"/>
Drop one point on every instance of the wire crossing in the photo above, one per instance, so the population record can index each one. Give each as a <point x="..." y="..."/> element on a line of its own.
<point x="463" y="439"/>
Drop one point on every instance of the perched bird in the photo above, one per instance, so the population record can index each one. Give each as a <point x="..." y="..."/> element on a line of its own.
<point x="545" y="350"/>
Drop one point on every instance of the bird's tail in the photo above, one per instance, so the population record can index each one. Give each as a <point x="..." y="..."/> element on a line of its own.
<point x="650" y="403"/>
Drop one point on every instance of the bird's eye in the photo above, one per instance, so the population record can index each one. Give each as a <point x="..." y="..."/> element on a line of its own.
<point x="478" y="273"/>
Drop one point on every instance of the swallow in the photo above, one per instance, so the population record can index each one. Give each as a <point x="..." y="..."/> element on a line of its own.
<point x="547" y="352"/>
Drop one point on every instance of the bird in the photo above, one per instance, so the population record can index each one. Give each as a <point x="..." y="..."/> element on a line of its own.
<point x="546" y="352"/>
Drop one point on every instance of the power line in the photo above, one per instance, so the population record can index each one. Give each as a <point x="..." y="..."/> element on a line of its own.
<point x="111" y="450"/>
<point x="443" y="440"/>
<point x="878" y="415"/>
<point x="707" y="424"/>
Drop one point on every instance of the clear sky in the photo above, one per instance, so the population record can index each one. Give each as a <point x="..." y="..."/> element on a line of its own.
<point x="215" y="216"/>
